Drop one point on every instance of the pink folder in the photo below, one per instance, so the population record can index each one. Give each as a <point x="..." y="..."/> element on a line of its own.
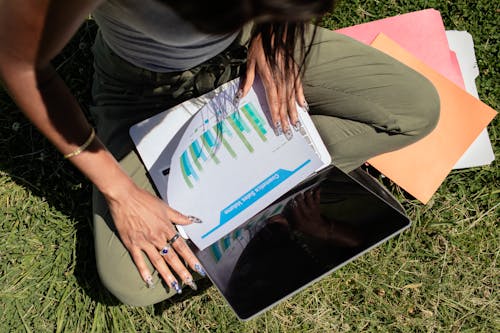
<point x="422" y="33"/>
<point x="421" y="167"/>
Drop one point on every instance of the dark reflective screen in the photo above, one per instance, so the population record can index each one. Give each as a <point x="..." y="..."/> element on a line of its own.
<point x="313" y="229"/>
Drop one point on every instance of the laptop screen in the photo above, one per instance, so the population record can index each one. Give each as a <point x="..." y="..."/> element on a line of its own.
<point x="319" y="226"/>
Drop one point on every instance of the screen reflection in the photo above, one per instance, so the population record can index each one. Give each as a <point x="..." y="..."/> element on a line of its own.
<point x="310" y="231"/>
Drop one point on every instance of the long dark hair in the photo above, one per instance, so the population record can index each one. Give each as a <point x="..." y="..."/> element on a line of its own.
<point x="281" y="24"/>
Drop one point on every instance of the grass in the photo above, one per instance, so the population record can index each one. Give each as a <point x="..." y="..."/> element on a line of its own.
<point x="441" y="275"/>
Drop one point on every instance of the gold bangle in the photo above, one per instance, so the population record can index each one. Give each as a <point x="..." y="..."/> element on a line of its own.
<point x="85" y="145"/>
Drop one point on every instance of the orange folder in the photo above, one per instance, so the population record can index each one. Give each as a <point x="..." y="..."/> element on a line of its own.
<point x="421" y="167"/>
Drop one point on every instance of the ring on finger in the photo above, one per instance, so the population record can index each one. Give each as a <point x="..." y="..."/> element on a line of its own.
<point x="165" y="249"/>
<point x="173" y="239"/>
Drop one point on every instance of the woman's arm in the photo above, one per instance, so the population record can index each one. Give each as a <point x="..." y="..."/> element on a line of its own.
<point x="32" y="32"/>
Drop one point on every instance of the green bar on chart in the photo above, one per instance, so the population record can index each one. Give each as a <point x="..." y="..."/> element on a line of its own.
<point x="255" y="120"/>
<point x="222" y="130"/>
<point x="185" y="175"/>
<point x="239" y="132"/>
<point x="195" y="158"/>
<point x="210" y="147"/>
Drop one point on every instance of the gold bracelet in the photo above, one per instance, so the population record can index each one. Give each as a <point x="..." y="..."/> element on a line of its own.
<point x="85" y="145"/>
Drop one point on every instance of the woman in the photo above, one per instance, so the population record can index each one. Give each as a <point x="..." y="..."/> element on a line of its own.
<point x="151" y="55"/>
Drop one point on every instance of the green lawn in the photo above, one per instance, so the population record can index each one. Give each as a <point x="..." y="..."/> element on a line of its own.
<point x="440" y="275"/>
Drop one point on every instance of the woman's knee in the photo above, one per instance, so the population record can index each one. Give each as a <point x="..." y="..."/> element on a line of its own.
<point x="122" y="283"/>
<point x="427" y="108"/>
<point x="127" y="286"/>
<point x="117" y="270"/>
<point x="121" y="291"/>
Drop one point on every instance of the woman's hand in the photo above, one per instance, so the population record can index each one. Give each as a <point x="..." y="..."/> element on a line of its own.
<point x="145" y="225"/>
<point x="31" y="34"/>
<point x="305" y="216"/>
<point x="281" y="95"/>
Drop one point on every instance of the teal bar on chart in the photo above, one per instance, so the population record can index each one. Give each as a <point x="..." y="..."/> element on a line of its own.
<point x="240" y="123"/>
<point x="255" y="120"/>
<point x="217" y="254"/>
<point x="198" y="150"/>
<point x="187" y="166"/>
<point x="226" y="242"/>
<point x="239" y="130"/>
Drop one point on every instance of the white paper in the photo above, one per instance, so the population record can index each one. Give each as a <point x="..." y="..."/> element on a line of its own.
<point x="225" y="179"/>
<point x="157" y="138"/>
<point x="480" y="152"/>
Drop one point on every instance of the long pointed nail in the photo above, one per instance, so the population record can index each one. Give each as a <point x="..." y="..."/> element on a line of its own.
<point x="149" y="282"/>
<point x="189" y="281"/>
<point x="238" y="96"/>
<point x="288" y="134"/>
<point x="194" y="219"/>
<point x="200" y="270"/>
<point x="278" y="130"/>
<point x="306" y="106"/>
<point x="297" y="126"/>
<point x="175" y="285"/>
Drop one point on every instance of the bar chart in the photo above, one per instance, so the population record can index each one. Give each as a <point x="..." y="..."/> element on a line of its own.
<point x="235" y="134"/>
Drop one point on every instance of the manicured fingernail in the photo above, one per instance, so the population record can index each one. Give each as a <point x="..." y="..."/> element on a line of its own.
<point x="306" y="106"/>
<point x="175" y="285"/>
<point x="189" y="281"/>
<point x="293" y="203"/>
<point x="297" y="125"/>
<point x="194" y="219"/>
<point x="238" y="96"/>
<point x="278" y="130"/>
<point x="288" y="134"/>
<point x="149" y="282"/>
<point x="200" y="270"/>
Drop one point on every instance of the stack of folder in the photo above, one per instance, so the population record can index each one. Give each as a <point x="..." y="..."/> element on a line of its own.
<point x="447" y="59"/>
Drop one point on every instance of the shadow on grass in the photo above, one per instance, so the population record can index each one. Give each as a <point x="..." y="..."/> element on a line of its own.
<point x="187" y="293"/>
<point x="30" y="161"/>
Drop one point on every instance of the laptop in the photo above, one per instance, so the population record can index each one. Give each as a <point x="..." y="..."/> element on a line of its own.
<point x="278" y="253"/>
<point x="265" y="252"/>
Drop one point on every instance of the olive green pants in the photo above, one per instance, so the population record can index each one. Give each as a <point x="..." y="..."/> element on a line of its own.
<point x="363" y="103"/>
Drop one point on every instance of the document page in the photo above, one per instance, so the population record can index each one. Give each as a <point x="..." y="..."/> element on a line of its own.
<point x="229" y="164"/>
